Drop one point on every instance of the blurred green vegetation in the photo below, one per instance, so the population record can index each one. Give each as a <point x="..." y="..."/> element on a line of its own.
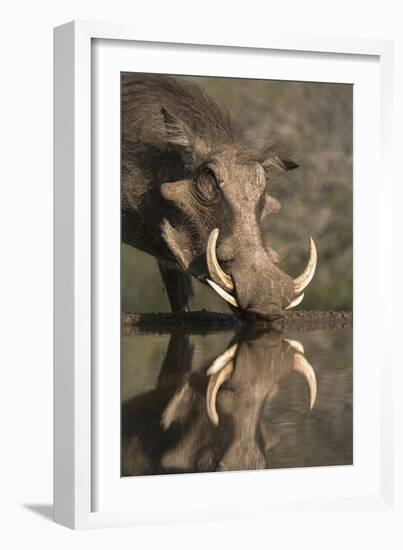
<point x="312" y="123"/>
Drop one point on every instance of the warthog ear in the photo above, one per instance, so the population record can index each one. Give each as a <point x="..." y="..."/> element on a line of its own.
<point x="178" y="134"/>
<point x="275" y="165"/>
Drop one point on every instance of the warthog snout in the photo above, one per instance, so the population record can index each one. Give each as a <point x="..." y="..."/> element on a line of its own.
<point x="251" y="282"/>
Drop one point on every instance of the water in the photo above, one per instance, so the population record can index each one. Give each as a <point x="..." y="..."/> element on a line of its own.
<point x="254" y="412"/>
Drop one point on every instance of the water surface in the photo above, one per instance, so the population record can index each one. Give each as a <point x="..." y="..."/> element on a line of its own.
<point x="275" y="400"/>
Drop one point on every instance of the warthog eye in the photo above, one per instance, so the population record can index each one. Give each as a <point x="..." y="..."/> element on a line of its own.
<point x="210" y="173"/>
<point x="207" y="185"/>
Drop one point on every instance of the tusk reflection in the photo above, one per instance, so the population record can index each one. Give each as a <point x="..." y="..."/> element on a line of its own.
<point x="296" y="344"/>
<point x="305" y="368"/>
<point x="222" y="360"/>
<point x="216" y="381"/>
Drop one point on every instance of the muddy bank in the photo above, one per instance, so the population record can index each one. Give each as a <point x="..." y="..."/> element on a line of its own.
<point x="207" y="321"/>
<point x="314" y="320"/>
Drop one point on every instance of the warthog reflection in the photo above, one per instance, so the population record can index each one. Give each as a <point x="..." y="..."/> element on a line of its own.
<point x="211" y="419"/>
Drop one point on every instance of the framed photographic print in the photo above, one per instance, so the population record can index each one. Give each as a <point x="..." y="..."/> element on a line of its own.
<point x="214" y="205"/>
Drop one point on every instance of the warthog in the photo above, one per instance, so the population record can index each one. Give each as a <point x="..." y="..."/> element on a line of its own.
<point x="194" y="196"/>
<point x="198" y="421"/>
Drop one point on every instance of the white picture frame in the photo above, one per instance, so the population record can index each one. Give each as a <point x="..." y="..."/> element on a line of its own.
<point x="88" y="491"/>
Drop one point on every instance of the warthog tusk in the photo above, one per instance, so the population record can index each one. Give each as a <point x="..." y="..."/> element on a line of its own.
<point x="296" y="301"/>
<point x="303" y="280"/>
<point x="222" y="360"/>
<point x="215" y="383"/>
<point x="301" y="365"/>
<point x="295" y="344"/>
<point x="216" y="273"/>
<point x="223" y="293"/>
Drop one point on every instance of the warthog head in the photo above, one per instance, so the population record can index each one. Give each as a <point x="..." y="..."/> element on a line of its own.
<point x="223" y="198"/>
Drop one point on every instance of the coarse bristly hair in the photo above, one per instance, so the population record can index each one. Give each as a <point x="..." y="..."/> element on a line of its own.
<point x="149" y="103"/>
<point x="144" y="96"/>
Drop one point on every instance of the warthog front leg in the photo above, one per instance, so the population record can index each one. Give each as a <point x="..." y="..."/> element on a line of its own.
<point x="178" y="285"/>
